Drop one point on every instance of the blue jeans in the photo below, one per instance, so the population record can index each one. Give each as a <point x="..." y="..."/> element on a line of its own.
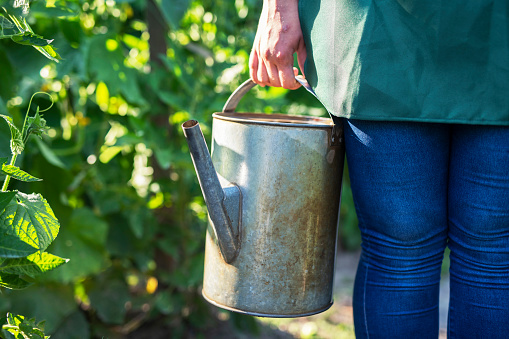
<point x="419" y="187"/>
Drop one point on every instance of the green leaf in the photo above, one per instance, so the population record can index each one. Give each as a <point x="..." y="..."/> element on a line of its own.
<point x="83" y="239"/>
<point x="5" y="198"/>
<point x="174" y="100"/>
<point x="14" y="25"/>
<point x="15" y="8"/>
<point x="33" y="265"/>
<point x="109" y="301"/>
<point x="108" y="66"/>
<point x="7" y="28"/>
<point x="173" y="10"/>
<point x="51" y="303"/>
<point x="30" y="218"/>
<point x="49" y="52"/>
<point x="136" y="218"/>
<point x="17" y="173"/>
<point x="23" y="328"/>
<point x="17" y="145"/>
<point x="169" y="303"/>
<point x="16" y="17"/>
<point x="31" y="39"/>
<point x="49" y="155"/>
<point x="7" y="76"/>
<point x="74" y="326"/>
<point x="13" y="282"/>
<point x="13" y="247"/>
<point x="60" y="9"/>
<point x="36" y="125"/>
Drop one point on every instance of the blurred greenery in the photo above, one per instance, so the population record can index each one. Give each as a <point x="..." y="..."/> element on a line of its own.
<point x="115" y="164"/>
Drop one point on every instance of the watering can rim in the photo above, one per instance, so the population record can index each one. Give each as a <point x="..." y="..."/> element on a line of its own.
<point x="278" y="119"/>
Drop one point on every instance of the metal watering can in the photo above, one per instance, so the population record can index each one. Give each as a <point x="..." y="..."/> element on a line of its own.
<point x="272" y="189"/>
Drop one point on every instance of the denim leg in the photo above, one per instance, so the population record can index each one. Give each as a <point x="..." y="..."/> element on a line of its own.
<point x="399" y="174"/>
<point x="479" y="232"/>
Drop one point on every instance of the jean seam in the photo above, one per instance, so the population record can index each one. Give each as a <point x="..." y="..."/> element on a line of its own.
<point x="364" y="300"/>
<point x="361" y="222"/>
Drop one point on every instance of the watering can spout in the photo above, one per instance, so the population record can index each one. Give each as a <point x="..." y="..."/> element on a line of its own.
<point x="223" y="201"/>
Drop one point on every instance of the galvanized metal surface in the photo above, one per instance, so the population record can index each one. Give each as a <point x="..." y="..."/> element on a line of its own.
<point x="290" y="178"/>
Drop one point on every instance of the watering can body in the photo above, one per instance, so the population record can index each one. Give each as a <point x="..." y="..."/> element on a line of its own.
<point x="281" y="179"/>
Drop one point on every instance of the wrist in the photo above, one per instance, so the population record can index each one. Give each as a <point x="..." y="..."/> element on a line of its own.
<point x="281" y="5"/>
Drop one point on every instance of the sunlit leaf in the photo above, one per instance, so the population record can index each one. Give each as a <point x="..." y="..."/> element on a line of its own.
<point x="17" y="145"/>
<point x="32" y="265"/>
<point x="14" y="25"/>
<point x="49" y="52"/>
<point x="12" y="247"/>
<point x="30" y="218"/>
<point x="31" y="39"/>
<point x="109" y="153"/>
<point x="18" y="174"/>
<point x="108" y="66"/>
<point x="102" y="96"/>
<point x="23" y="328"/>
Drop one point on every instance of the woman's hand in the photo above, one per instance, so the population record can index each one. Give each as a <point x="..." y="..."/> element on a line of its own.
<point x="278" y="37"/>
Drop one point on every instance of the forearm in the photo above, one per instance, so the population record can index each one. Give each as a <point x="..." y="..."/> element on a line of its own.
<point x="286" y="12"/>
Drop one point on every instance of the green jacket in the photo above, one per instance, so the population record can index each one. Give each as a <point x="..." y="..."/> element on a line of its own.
<point x="409" y="60"/>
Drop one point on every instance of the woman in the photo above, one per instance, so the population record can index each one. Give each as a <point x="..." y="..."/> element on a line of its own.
<point x="423" y="91"/>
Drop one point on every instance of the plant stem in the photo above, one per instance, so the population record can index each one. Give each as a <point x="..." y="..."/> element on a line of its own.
<point x="8" y="177"/>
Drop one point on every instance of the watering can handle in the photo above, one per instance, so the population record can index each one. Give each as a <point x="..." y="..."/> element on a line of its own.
<point x="234" y="99"/>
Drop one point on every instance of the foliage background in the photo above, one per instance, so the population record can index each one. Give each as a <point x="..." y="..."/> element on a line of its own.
<point x="115" y="166"/>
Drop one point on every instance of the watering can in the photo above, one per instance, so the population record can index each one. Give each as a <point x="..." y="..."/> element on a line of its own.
<point x="272" y="187"/>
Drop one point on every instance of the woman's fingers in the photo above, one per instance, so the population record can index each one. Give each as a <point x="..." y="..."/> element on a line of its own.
<point x="253" y="65"/>
<point x="263" y="76"/>
<point x="287" y="78"/>
<point x="266" y="73"/>
<point x="273" y="74"/>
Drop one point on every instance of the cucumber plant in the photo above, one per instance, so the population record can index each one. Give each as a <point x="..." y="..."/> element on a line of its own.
<point x="16" y="326"/>
<point x="13" y="25"/>
<point x="27" y="227"/>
